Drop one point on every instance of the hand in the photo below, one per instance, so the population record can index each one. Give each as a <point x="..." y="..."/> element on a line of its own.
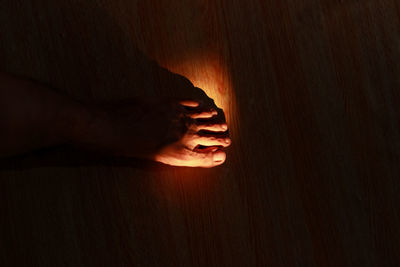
<point x="175" y="132"/>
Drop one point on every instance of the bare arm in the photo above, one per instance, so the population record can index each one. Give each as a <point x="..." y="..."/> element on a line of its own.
<point x="175" y="132"/>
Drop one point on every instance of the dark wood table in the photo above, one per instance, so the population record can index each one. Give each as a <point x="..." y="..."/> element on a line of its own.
<point x="311" y="94"/>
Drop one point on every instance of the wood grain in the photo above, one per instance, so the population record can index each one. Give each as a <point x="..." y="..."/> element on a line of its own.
<point x="311" y="91"/>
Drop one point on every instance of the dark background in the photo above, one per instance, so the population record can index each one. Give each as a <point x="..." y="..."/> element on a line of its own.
<point x="311" y="92"/>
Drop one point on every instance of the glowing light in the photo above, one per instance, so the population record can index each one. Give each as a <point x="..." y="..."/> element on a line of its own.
<point x="210" y="74"/>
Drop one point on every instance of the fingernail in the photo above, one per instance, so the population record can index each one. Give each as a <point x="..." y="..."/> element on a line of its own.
<point x="224" y="127"/>
<point x="227" y="141"/>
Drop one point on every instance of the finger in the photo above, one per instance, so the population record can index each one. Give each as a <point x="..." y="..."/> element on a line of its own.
<point x="211" y="141"/>
<point x="214" y="127"/>
<point x="189" y="103"/>
<point x="203" y="114"/>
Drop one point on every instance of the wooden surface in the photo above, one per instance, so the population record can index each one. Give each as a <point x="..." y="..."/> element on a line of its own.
<point x="311" y="91"/>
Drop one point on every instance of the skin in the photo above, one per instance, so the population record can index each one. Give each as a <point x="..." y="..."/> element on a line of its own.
<point x="177" y="132"/>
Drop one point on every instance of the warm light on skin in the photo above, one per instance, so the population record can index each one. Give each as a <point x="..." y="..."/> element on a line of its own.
<point x="210" y="74"/>
<point x="186" y="151"/>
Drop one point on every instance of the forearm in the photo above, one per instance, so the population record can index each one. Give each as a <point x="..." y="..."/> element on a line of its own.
<point x="33" y="116"/>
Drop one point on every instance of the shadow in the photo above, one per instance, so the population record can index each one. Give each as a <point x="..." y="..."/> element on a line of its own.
<point x="69" y="157"/>
<point x="81" y="51"/>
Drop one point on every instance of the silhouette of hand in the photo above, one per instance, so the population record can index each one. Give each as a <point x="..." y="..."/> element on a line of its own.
<point x="174" y="132"/>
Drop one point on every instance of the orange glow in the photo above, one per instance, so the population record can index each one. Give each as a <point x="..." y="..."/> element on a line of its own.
<point x="210" y="74"/>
